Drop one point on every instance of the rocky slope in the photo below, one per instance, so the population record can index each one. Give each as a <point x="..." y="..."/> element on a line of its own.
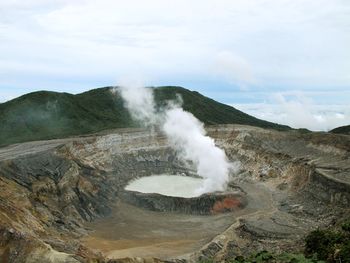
<point x="51" y="189"/>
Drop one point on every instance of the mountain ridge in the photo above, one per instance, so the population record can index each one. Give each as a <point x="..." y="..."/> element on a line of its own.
<point x="45" y="115"/>
<point x="341" y="130"/>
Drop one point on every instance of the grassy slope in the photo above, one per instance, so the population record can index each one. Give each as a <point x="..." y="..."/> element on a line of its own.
<point x="342" y="130"/>
<point x="46" y="115"/>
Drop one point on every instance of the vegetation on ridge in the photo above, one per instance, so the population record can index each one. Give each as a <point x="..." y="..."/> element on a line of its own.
<point x="47" y="115"/>
<point x="342" y="130"/>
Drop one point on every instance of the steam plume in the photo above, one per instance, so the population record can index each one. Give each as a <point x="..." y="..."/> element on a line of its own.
<point x="140" y="103"/>
<point x="186" y="135"/>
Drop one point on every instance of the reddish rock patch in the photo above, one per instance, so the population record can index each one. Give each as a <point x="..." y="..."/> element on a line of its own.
<point x="226" y="205"/>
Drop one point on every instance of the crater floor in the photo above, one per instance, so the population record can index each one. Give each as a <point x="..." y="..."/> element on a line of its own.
<point x="136" y="232"/>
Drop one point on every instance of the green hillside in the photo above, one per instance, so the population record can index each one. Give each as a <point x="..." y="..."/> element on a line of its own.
<point x="47" y="115"/>
<point x="342" y="130"/>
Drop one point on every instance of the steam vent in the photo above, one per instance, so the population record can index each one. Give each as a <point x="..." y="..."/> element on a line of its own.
<point x="171" y="193"/>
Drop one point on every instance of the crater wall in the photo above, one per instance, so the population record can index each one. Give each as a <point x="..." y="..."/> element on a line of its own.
<point x="49" y="189"/>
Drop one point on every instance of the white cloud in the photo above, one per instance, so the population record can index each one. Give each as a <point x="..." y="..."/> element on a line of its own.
<point x="253" y="45"/>
<point x="285" y="41"/>
<point x="299" y="111"/>
<point x="234" y="69"/>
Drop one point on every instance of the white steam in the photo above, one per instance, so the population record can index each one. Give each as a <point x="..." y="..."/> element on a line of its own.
<point x="186" y="135"/>
<point x="140" y="103"/>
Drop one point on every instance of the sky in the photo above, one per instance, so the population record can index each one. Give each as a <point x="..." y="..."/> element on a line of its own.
<point x="286" y="61"/>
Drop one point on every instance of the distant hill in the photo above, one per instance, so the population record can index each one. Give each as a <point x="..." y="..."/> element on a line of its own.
<point x="47" y="115"/>
<point x="342" y="130"/>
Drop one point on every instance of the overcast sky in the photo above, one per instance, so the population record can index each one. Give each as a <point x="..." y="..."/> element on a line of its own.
<point x="281" y="60"/>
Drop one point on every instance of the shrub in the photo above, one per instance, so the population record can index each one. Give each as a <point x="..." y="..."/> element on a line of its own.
<point x="346" y="226"/>
<point x="329" y="245"/>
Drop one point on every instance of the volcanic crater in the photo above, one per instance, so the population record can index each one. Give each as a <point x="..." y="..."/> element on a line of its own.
<point x="70" y="200"/>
